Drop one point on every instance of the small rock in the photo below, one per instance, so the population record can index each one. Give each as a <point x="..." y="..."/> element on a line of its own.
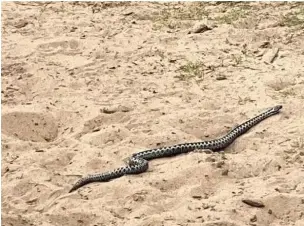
<point x="253" y="219"/>
<point x="220" y="164"/>
<point x="108" y="111"/>
<point x="270" y="55"/>
<point x="199" y="28"/>
<point x="206" y="206"/>
<point x="210" y="159"/>
<point x="73" y="29"/>
<point x="225" y="172"/>
<point x="254" y="203"/>
<point x="197" y="196"/>
<point x="269" y="211"/>
<point x="21" y="24"/>
<point x="32" y="201"/>
<point x="6" y="169"/>
<point x="96" y="129"/>
<point x="265" y="44"/>
<point x="112" y="67"/>
<point x="39" y="150"/>
<point x="125" y="109"/>
<point x="128" y="13"/>
<point x="220" y="77"/>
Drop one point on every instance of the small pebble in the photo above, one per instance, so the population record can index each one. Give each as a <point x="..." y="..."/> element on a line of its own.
<point x="199" y="28"/>
<point x="96" y="130"/>
<point x="197" y="196"/>
<point x="225" y="172"/>
<point x="39" y="150"/>
<point x="21" y="24"/>
<point x="108" y="111"/>
<point x="253" y="219"/>
<point x="254" y="203"/>
<point x="270" y="55"/>
<point x="220" y="77"/>
<point x="128" y="13"/>
<point x="270" y="211"/>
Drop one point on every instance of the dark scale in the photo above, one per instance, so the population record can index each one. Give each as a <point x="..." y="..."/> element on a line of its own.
<point x="138" y="162"/>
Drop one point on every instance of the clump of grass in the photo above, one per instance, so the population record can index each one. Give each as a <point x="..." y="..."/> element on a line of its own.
<point x="237" y="59"/>
<point x="280" y="85"/>
<point x="242" y="101"/>
<point x="177" y="17"/>
<point x="195" y="11"/>
<point x="292" y="19"/>
<point x="171" y="24"/>
<point x="288" y="92"/>
<point x="240" y="5"/>
<point x="298" y="143"/>
<point x="232" y="16"/>
<point x="191" y="70"/>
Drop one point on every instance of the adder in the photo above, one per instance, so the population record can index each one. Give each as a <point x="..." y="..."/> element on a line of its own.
<point x="138" y="162"/>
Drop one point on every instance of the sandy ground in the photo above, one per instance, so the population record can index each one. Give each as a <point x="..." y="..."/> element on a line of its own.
<point x="84" y="85"/>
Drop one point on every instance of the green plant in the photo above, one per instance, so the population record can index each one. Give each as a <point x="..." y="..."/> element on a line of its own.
<point x="232" y="16"/>
<point x="191" y="70"/>
<point x="179" y="17"/>
<point x="237" y="59"/>
<point x="292" y="19"/>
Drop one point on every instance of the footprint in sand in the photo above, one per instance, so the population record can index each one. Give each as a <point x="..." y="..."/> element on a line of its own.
<point x="63" y="47"/>
<point x="102" y="129"/>
<point x="29" y="126"/>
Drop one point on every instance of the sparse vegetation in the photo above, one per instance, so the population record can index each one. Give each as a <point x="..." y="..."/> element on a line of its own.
<point x="196" y="11"/>
<point x="191" y="70"/>
<point x="42" y="10"/>
<point x="292" y="19"/>
<point x="298" y="143"/>
<point x="233" y="15"/>
<point x="244" y="100"/>
<point x="280" y="85"/>
<point x="237" y="59"/>
<point x="179" y="17"/>
<point x="288" y="92"/>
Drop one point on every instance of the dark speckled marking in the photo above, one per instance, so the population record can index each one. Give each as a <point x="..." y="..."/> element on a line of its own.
<point x="138" y="162"/>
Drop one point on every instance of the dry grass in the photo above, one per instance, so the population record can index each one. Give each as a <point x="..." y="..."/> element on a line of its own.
<point x="191" y="70"/>
<point x="180" y="17"/>
<point x="232" y="16"/>
<point x="293" y="19"/>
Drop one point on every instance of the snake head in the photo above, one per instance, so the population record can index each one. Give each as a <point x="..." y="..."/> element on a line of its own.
<point x="276" y="109"/>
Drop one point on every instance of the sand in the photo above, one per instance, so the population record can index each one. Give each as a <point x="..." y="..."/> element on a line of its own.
<point x="85" y="85"/>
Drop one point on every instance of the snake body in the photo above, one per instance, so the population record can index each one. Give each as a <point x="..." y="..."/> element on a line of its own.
<point x="138" y="162"/>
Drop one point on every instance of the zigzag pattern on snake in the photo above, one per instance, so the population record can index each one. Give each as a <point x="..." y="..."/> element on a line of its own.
<point x="138" y="162"/>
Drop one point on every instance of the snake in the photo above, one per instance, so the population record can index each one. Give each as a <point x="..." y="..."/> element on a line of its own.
<point x="138" y="162"/>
